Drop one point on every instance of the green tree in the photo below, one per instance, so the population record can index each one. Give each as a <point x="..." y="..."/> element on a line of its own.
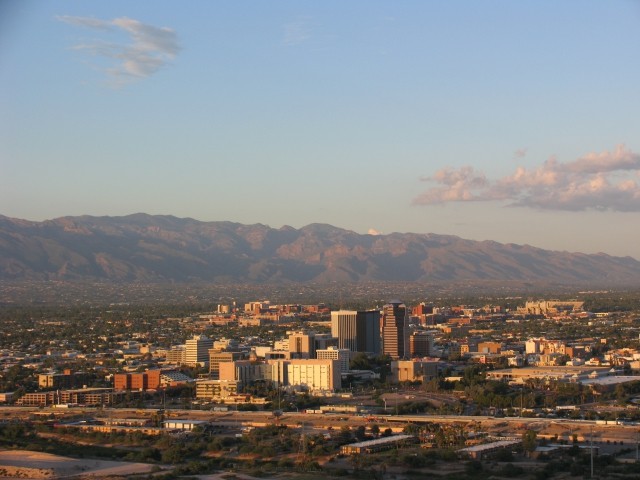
<point x="411" y="429"/>
<point x="529" y="441"/>
<point x="360" y="362"/>
<point x="345" y="435"/>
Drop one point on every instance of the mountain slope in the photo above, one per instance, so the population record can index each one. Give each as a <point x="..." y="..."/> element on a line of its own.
<point x="149" y="248"/>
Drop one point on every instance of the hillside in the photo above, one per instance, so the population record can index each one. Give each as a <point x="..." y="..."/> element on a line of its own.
<point x="145" y="248"/>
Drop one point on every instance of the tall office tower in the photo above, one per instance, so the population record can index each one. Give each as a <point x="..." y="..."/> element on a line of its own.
<point x="395" y="330"/>
<point x="357" y="331"/>
<point x="197" y="350"/>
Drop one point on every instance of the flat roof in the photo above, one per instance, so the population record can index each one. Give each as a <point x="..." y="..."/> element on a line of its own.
<point x="380" y="441"/>
<point x="185" y="422"/>
<point x="611" y="380"/>
<point x="490" y="446"/>
<point x="579" y="369"/>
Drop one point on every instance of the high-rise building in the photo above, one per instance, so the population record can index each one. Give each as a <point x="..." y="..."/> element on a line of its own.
<point x="395" y="330"/>
<point x="357" y="331"/>
<point x="197" y="350"/>
<point x="420" y="344"/>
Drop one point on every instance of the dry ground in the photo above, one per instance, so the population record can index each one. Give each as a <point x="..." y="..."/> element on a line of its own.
<point x="28" y="464"/>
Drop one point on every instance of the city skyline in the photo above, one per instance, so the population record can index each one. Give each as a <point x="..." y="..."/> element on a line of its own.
<point x="508" y="122"/>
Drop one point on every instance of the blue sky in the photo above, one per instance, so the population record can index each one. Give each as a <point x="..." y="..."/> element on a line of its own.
<point x="496" y="120"/>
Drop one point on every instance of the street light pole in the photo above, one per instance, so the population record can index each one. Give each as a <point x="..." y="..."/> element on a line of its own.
<point x="521" y="398"/>
<point x="591" y="438"/>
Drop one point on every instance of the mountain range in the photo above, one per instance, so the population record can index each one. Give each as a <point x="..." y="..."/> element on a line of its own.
<point x="146" y="248"/>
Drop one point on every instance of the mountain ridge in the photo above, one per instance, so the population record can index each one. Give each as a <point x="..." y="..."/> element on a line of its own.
<point x="165" y="248"/>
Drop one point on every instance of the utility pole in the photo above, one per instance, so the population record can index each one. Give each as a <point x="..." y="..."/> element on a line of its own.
<point x="591" y="438"/>
<point x="521" y="398"/>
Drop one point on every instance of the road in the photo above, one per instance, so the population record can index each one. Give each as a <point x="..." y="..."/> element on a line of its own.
<point x="547" y="427"/>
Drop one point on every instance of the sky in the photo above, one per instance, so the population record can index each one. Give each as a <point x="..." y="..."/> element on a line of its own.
<point x="517" y="122"/>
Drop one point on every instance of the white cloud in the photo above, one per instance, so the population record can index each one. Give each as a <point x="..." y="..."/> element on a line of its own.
<point x="297" y="32"/>
<point x="462" y="185"/>
<point x="596" y="181"/>
<point x="88" y="22"/>
<point x="149" y="48"/>
<point x="373" y="231"/>
<point x="520" y="153"/>
<point x="620" y="159"/>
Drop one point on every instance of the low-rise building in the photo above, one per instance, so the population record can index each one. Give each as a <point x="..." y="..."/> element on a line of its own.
<point x="177" y="355"/>
<point x="149" y="380"/>
<point x="377" y="445"/>
<point x="183" y="425"/>
<point x="417" y="370"/>
<point x="560" y="373"/>
<point x="7" y="397"/>
<point x="211" y="390"/>
<point x="83" y="396"/>
<point x="477" y="452"/>
<point x="66" y="379"/>
<point x="343" y="355"/>
<point x="216" y="357"/>
<point x="312" y="374"/>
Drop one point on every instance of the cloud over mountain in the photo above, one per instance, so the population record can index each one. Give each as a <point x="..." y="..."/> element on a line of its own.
<point x="596" y="181"/>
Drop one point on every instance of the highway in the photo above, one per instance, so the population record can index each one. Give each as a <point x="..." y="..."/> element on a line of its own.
<point x="548" y="427"/>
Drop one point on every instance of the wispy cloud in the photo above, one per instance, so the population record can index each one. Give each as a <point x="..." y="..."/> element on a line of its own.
<point x="373" y="231"/>
<point x="88" y="22"/>
<point x="297" y="32"/>
<point x="147" y="50"/>
<point x="520" y="153"/>
<point x="596" y="181"/>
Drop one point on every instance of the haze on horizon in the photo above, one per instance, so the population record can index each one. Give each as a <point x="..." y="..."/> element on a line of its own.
<point x="508" y="121"/>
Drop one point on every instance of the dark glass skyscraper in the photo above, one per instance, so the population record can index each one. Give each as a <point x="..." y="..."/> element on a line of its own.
<point x="358" y="331"/>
